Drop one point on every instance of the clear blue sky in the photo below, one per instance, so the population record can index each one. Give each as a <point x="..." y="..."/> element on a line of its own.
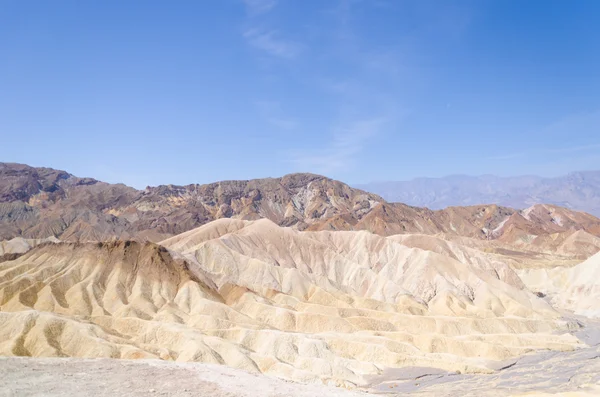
<point x="149" y="92"/>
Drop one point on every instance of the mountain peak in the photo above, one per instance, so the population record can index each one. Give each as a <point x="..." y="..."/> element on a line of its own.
<point x="41" y="202"/>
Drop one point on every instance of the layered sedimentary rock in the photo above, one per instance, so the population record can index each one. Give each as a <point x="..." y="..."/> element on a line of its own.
<point x="333" y="307"/>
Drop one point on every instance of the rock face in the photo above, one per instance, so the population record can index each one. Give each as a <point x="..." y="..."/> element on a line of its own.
<point x="38" y="203"/>
<point x="41" y="202"/>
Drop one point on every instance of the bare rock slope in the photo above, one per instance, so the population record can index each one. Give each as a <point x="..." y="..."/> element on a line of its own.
<point x="321" y="307"/>
<point x="38" y="203"/>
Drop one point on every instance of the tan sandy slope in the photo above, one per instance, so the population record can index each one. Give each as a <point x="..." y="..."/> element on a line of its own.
<point x="333" y="307"/>
<point x="576" y="288"/>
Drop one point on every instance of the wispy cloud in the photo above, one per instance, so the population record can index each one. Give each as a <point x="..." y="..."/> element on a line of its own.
<point x="563" y="139"/>
<point x="361" y="89"/>
<point x="507" y="156"/>
<point x="284" y="124"/>
<point x="349" y="139"/>
<point x="273" y="114"/>
<point x="257" y="7"/>
<point x="573" y="149"/>
<point x="537" y="151"/>
<point x="271" y="43"/>
<point x="365" y="103"/>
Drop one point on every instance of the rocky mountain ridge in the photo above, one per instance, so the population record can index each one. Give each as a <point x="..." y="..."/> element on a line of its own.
<point x="42" y="202"/>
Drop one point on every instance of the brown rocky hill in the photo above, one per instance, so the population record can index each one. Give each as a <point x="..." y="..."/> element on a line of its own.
<point x="42" y="202"/>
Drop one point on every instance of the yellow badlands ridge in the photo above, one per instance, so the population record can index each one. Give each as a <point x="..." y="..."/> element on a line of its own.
<point x="331" y="307"/>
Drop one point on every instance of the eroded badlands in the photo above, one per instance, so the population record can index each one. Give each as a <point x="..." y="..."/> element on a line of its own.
<point x="335" y="308"/>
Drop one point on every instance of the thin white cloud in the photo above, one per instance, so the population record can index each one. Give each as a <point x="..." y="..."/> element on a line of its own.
<point x="569" y="149"/>
<point x="257" y="7"/>
<point x="284" y="124"/>
<point x="269" y="42"/>
<point x="348" y="140"/>
<point x="361" y="106"/>
<point x="572" y="149"/>
<point x="507" y="156"/>
<point x="273" y="114"/>
<point x="580" y="126"/>
<point x="268" y="107"/>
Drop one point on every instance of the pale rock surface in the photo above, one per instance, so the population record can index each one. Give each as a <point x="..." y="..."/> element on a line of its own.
<point x="315" y="307"/>
<point x="576" y="289"/>
<point x="19" y="245"/>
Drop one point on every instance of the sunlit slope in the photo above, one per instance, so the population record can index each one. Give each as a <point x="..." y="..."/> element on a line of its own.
<point x="307" y="306"/>
<point x="263" y="256"/>
<point x="575" y="288"/>
<point x="19" y="245"/>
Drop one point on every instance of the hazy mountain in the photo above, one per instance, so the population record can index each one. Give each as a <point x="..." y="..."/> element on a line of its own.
<point x="37" y="203"/>
<point x="577" y="190"/>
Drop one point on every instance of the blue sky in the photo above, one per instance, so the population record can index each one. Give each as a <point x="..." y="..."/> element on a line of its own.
<point x="150" y="92"/>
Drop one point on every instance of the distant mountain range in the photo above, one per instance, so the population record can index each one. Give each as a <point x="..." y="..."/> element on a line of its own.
<point x="38" y="203"/>
<point x="577" y="190"/>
